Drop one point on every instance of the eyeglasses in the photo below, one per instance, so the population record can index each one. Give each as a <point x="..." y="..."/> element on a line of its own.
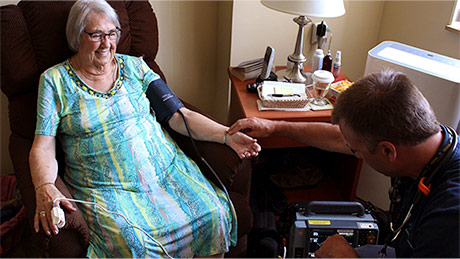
<point x="98" y="36"/>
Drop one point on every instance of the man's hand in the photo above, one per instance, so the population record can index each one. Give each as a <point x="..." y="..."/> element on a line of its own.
<point x="254" y="127"/>
<point x="336" y="247"/>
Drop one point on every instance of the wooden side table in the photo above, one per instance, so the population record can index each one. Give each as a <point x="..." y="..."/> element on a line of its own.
<point x="345" y="168"/>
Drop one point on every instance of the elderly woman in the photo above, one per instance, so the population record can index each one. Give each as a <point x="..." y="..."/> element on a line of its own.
<point x="118" y="156"/>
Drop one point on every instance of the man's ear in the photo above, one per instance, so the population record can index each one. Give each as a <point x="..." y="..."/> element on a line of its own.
<point x="387" y="150"/>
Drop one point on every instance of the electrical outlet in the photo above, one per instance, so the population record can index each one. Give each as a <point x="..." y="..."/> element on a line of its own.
<point x="314" y="38"/>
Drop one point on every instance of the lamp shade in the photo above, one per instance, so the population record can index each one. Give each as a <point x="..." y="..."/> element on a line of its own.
<point x="310" y="8"/>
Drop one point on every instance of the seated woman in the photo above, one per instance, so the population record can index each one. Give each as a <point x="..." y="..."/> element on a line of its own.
<point x="117" y="154"/>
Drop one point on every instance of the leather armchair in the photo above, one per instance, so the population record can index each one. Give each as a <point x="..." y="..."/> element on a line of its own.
<point x="32" y="40"/>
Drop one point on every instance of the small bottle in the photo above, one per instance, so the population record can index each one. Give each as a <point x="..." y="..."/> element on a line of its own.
<point x="317" y="61"/>
<point x="327" y="62"/>
<point x="337" y="63"/>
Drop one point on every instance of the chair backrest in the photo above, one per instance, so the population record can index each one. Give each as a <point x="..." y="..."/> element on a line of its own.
<point x="33" y="39"/>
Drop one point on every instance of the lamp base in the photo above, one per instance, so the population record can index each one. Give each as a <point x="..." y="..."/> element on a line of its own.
<point x="295" y="74"/>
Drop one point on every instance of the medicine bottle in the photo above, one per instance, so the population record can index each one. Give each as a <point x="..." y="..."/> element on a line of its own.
<point x="317" y="61"/>
<point x="337" y="63"/>
<point x="327" y="62"/>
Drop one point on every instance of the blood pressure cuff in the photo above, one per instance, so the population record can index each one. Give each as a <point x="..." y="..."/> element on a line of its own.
<point x="162" y="100"/>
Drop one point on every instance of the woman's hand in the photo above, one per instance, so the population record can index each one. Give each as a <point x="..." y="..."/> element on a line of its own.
<point x="45" y="195"/>
<point x="243" y="145"/>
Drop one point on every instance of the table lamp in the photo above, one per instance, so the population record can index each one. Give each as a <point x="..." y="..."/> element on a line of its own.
<point x="304" y="8"/>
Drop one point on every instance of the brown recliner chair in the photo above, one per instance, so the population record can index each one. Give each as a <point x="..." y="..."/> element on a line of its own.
<point x="32" y="40"/>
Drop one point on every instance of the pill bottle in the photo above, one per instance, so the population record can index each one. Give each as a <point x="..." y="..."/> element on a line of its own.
<point x="317" y="61"/>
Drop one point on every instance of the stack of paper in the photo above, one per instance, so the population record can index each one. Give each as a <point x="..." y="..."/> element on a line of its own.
<point x="248" y="69"/>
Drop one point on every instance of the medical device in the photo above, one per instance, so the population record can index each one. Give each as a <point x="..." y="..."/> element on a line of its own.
<point x="435" y="75"/>
<point x="317" y="220"/>
<point x="162" y="100"/>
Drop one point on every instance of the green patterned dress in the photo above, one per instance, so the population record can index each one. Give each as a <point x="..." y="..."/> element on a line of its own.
<point x="118" y="156"/>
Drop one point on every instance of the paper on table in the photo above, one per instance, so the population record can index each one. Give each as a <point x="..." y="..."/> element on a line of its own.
<point x="283" y="90"/>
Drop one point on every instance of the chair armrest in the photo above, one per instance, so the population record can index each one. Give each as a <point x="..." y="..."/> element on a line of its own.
<point x="75" y="231"/>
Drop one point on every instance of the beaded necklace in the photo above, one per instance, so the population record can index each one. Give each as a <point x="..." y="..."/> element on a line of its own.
<point x="83" y="86"/>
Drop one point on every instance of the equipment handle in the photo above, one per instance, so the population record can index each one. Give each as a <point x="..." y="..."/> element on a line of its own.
<point x="334" y="207"/>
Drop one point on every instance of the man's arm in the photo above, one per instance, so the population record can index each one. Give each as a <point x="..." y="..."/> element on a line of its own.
<point x="325" y="136"/>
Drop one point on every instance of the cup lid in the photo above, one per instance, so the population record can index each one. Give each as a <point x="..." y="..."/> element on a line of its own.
<point x="322" y="76"/>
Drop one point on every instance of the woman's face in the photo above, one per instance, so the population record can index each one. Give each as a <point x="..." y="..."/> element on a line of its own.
<point x="98" y="53"/>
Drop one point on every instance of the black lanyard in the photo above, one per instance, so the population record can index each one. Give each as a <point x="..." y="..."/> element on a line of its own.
<point x="424" y="180"/>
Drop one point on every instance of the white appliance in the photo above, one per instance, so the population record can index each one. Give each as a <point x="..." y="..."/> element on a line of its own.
<point x="437" y="77"/>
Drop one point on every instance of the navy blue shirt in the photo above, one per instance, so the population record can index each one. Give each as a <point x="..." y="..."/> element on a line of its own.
<point x="433" y="230"/>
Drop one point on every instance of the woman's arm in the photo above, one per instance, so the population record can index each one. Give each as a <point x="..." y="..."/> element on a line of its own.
<point x="43" y="169"/>
<point x="164" y="102"/>
<point x="203" y="128"/>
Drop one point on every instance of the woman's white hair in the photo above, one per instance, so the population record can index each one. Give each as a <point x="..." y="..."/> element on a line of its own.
<point x="76" y="22"/>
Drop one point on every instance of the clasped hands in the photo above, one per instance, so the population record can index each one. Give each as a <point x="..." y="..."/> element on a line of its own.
<point x="242" y="135"/>
<point x="252" y="128"/>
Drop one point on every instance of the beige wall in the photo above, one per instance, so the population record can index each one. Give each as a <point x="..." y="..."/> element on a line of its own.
<point x="187" y="52"/>
<point x="194" y="51"/>
<point x="224" y="39"/>
<point x="421" y="24"/>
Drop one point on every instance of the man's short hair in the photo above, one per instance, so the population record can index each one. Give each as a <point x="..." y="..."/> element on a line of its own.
<point x="386" y="106"/>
